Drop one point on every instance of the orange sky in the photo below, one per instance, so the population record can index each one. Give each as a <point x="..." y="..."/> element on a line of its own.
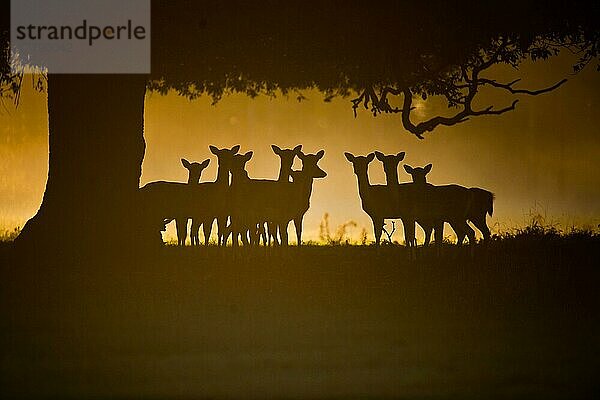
<point x="545" y="154"/>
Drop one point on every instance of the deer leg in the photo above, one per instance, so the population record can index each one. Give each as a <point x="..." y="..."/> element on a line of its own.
<point x="481" y="224"/>
<point x="298" y="226"/>
<point x="263" y="234"/>
<point x="181" y="227"/>
<point x="194" y="231"/>
<point x="221" y="229"/>
<point x="470" y="233"/>
<point x="427" y="230"/>
<point x="459" y="230"/>
<point x="283" y="233"/>
<point x="272" y="233"/>
<point x="244" y="232"/>
<point x="377" y="228"/>
<point x="258" y="232"/>
<point x="207" y="229"/>
<point x="232" y="229"/>
<point x="409" y="232"/>
<point x="439" y="233"/>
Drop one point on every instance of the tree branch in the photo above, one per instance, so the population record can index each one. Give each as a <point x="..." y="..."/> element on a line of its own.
<point x="508" y="86"/>
<point x="459" y="88"/>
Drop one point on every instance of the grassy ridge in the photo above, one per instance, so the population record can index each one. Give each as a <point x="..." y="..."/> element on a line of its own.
<point x="515" y="319"/>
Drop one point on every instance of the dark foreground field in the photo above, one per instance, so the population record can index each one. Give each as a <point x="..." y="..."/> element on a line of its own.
<point x="518" y="320"/>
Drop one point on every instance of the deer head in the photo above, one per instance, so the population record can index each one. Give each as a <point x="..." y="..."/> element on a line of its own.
<point x="419" y="174"/>
<point x="360" y="163"/>
<point x="238" y="164"/>
<point x="224" y="157"/>
<point x="310" y="169"/>
<point x="287" y="159"/>
<point x="390" y="165"/>
<point x="194" y="169"/>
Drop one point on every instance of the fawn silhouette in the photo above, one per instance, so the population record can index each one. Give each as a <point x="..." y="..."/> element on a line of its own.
<point x="278" y="202"/>
<point x="207" y="200"/>
<point x="164" y="201"/>
<point x="473" y="203"/>
<point x="382" y="201"/>
<point x="390" y="166"/>
<point x="210" y="199"/>
<point x="194" y="172"/>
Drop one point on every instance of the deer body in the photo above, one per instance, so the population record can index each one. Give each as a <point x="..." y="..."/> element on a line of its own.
<point x="275" y="201"/>
<point x="382" y="202"/>
<point x="286" y="157"/>
<point x="172" y="200"/>
<point x="217" y="196"/>
<point x="390" y="166"/>
<point x="453" y="203"/>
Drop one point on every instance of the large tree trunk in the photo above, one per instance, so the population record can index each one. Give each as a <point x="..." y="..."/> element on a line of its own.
<point x="96" y="150"/>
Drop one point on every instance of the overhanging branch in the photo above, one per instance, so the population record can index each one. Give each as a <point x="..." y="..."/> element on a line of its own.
<point x="460" y="89"/>
<point x="509" y="86"/>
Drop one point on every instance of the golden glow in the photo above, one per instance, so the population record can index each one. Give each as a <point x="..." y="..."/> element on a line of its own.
<point x="544" y="153"/>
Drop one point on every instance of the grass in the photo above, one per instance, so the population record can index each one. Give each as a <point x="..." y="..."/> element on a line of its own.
<point x="515" y="318"/>
<point x="7" y="235"/>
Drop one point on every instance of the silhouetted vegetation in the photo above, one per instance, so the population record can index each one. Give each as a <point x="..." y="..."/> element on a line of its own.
<point x="9" y="235"/>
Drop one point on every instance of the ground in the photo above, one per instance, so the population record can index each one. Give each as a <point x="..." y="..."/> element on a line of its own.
<point x="517" y="319"/>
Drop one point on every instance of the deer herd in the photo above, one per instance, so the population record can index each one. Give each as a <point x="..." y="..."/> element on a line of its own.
<point x="259" y="210"/>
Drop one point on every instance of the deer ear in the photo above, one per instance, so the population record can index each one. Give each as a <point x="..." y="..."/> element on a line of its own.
<point x="408" y="168"/>
<point x="428" y="168"/>
<point x="349" y="156"/>
<point x="276" y="149"/>
<point x="370" y="157"/>
<point x="298" y="148"/>
<point x="205" y="163"/>
<point x="186" y="163"/>
<point x="214" y="150"/>
<point x="248" y="156"/>
<point x="301" y="155"/>
<point x="400" y="156"/>
<point x="379" y="156"/>
<point x="320" y="154"/>
<point x="235" y="148"/>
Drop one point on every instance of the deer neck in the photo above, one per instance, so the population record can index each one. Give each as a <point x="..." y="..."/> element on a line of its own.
<point x="222" y="175"/>
<point x="305" y="189"/>
<point x="193" y="180"/>
<point x="284" y="173"/>
<point x="363" y="181"/>
<point x="240" y="178"/>
<point x="391" y="178"/>
<point x="306" y="184"/>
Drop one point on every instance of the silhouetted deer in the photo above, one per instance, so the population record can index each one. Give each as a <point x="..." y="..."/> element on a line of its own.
<point x="194" y="172"/>
<point x="164" y="201"/>
<point x="254" y="198"/>
<point x="297" y="197"/>
<point x="390" y="166"/>
<point x="473" y="203"/>
<point x="382" y="201"/>
<point x="219" y="208"/>
<point x="241" y="214"/>
<point x="286" y="157"/>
